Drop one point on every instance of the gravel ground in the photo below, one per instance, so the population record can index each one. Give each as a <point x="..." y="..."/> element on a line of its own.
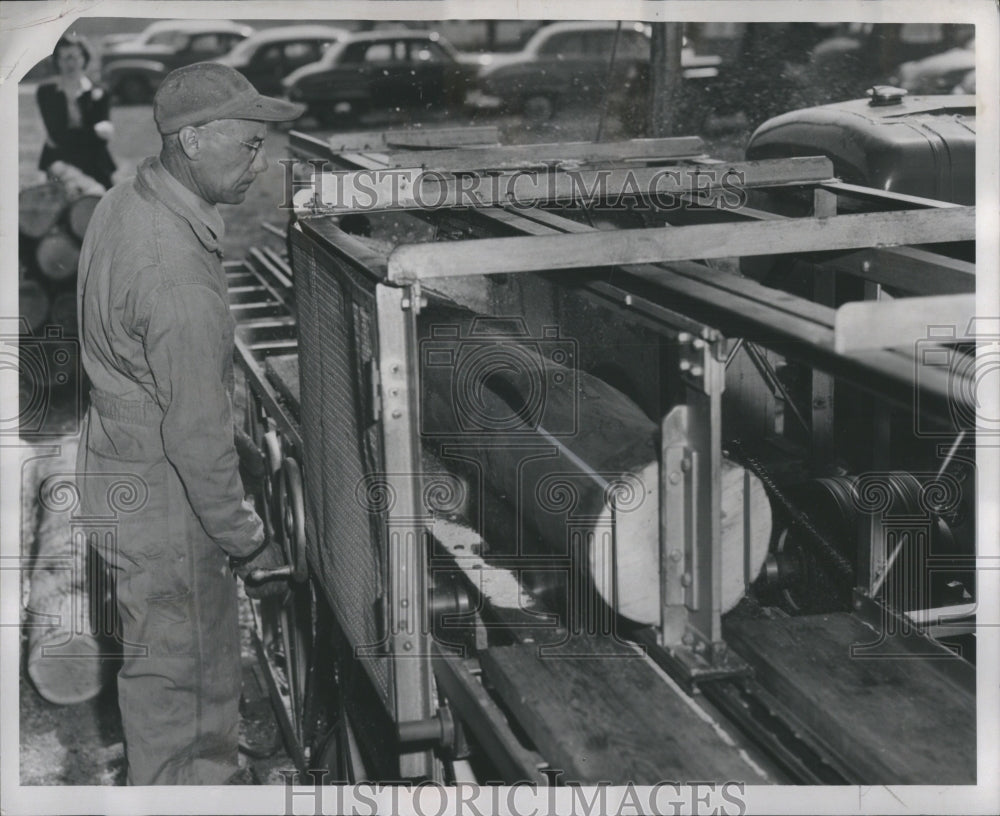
<point x="82" y="744"/>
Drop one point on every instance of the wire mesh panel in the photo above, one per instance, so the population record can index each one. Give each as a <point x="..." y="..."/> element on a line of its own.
<point x="343" y="449"/>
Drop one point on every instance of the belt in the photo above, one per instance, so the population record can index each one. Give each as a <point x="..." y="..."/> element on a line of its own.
<point x="134" y="412"/>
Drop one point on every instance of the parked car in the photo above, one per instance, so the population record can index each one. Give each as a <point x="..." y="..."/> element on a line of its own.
<point x="569" y="61"/>
<point x="860" y="55"/>
<point x="940" y="73"/>
<point x="560" y="61"/>
<point x="268" y="56"/>
<point x="382" y="69"/>
<point x="132" y="70"/>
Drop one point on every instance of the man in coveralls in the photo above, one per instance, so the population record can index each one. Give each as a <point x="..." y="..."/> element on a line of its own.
<point x="157" y="345"/>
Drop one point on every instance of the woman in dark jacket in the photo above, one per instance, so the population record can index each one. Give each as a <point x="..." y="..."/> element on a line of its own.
<point x="76" y="116"/>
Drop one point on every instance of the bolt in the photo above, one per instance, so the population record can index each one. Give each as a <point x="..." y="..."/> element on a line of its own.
<point x="397" y="414"/>
<point x="405" y="303"/>
<point x="685" y="365"/>
<point x="394" y="392"/>
<point x="628" y="300"/>
<point x="699" y="647"/>
<point x="685" y="465"/>
<point x="687" y="639"/>
<point x="684" y="337"/>
<point x="675" y="477"/>
<point x="866" y="266"/>
<point x="395" y="369"/>
<point x="407" y="646"/>
<point x="698" y="343"/>
<point x="686" y="579"/>
<point x="675" y="555"/>
<point x="697" y="371"/>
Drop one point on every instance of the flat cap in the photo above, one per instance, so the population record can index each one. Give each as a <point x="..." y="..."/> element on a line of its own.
<point x="207" y="91"/>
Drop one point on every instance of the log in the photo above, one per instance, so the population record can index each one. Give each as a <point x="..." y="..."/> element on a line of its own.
<point x="40" y="207"/>
<point x="63" y="313"/>
<point x="57" y="255"/>
<point x="78" y="214"/>
<point x="582" y="471"/>
<point x="67" y="660"/>
<point x="33" y="302"/>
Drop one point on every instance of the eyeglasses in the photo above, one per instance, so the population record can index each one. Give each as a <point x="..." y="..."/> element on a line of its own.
<point x="253" y="147"/>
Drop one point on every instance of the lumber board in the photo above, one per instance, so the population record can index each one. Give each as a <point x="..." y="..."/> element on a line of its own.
<point x="508" y="156"/>
<point x="486" y="256"/>
<point x="412" y="188"/>
<point x="608" y="715"/>
<point x="894" y="721"/>
<point x="878" y="324"/>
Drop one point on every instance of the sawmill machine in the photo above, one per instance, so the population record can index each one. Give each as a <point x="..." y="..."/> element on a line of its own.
<point x="613" y="461"/>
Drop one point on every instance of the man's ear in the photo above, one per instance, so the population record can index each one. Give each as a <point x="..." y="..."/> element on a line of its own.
<point x="190" y="142"/>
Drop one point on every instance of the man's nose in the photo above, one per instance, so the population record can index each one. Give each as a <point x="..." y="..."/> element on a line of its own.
<point x="260" y="161"/>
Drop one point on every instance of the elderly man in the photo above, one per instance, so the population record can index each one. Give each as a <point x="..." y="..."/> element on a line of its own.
<point x="157" y="345"/>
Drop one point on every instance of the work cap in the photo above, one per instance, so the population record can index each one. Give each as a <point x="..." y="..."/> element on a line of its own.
<point x="207" y="91"/>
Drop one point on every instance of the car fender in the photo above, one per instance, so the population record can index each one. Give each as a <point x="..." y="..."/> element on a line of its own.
<point x="150" y="68"/>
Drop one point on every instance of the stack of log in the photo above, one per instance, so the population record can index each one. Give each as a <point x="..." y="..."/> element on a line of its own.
<point x="52" y="225"/>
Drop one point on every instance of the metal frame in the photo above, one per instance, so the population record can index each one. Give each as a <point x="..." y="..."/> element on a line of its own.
<point x="689" y="642"/>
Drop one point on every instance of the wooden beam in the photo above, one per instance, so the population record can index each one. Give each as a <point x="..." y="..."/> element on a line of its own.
<point x="533" y="155"/>
<point x="892" y="718"/>
<point x="411" y="188"/>
<point x="879" y="324"/>
<point x="597" y="710"/>
<point x="908" y="269"/>
<point x="636" y="246"/>
<point x="856" y="191"/>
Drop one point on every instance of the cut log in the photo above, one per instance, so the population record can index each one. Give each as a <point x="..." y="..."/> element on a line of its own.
<point x="33" y="302"/>
<point x="40" y="208"/>
<point x="78" y="214"/>
<point x="579" y="462"/>
<point x="67" y="660"/>
<point x="57" y="255"/>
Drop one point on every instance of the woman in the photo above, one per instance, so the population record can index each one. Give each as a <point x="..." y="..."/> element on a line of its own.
<point x="75" y="112"/>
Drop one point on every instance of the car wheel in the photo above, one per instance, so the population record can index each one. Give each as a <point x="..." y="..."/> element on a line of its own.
<point x="133" y="90"/>
<point x="538" y="108"/>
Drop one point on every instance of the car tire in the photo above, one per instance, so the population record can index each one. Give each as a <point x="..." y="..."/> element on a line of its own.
<point x="133" y="90"/>
<point x="538" y="107"/>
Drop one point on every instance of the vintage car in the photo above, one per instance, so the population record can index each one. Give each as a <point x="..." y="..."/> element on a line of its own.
<point x="386" y="70"/>
<point x="947" y="72"/>
<point x="132" y="70"/>
<point x="270" y="55"/>
<point x="570" y="61"/>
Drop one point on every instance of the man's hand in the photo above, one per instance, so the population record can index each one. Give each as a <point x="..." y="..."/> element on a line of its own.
<point x="253" y="466"/>
<point x="259" y="585"/>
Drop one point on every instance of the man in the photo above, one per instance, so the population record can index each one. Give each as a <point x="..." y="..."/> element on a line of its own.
<point x="157" y="345"/>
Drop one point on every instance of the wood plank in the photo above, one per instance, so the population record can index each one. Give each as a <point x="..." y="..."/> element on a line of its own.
<point x="333" y="193"/>
<point x="894" y="721"/>
<point x="609" y="715"/>
<point x="879" y="324"/>
<point x="486" y="256"/>
<point x="857" y="191"/>
<point x="533" y="155"/>
<point x="908" y="269"/>
<point x="446" y="137"/>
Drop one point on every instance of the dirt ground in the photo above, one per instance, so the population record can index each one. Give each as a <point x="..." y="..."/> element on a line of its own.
<point x="82" y="744"/>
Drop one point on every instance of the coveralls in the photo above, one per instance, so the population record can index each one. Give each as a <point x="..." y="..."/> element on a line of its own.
<point x="157" y="345"/>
